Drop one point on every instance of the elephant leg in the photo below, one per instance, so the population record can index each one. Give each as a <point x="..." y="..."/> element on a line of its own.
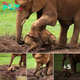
<point x="12" y="57"/>
<point x="40" y="43"/>
<point x="50" y="69"/>
<point x="63" y="35"/>
<point x="74" y="40"/>
<point x="20" y="62"/>
<point x="37" y="68"/>
<point x="24" y="60"/>
<point x="32" y="47"/>
<point x="40" y="24"/>
<point x="50" y="66"/>
<point x="73" y="64"/>
<point x="65" y="56"/>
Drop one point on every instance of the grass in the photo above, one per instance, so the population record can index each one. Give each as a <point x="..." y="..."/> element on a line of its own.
<point x="8" y="23"/>
<point x="5" y="59"/>
<point x="30" y="62"/>
<point x="58" y="63"/>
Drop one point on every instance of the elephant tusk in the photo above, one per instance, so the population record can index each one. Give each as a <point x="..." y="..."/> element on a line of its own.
<point x="23" y="22"/>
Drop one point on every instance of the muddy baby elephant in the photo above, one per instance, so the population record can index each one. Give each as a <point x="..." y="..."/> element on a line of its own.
<point x="23" y="59"/>
<point x="41" y="72"/>
<point x="46" y="59"/>
<point x="74" y="59"/>
<point x="45" y="39"/>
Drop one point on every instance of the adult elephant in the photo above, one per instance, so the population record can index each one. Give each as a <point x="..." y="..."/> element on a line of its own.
<point x="48" y="12"/>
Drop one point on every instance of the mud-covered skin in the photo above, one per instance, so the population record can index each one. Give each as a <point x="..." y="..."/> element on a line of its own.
<point x="45" y="39"/>
<point x="41" y="72"/>
<point x="13" y="68"/>
<point x="46" y="59"/>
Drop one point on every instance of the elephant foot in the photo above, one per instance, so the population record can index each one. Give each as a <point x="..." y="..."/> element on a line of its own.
<point x="24" y="66"/>
<point x="21" y="42"/>
<point x="59" y="47"/>
<point x="9" y="66"/>
<point x="20" y="65"/>
<point x="72" y="46"/>
<point x="29" y="50"/>
<point x="50" y="72"/>
<point x="41" y="73"/>
<point x="34" y="72"/>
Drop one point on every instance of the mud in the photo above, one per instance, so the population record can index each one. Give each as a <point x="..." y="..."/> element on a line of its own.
<point x="8" y="75"/>
<point x="8" y="44"/>
<point x="31" y="76"/>
<point x="59" y="76"/>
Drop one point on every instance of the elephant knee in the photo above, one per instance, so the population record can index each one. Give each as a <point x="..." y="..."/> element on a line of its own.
<point x="34" y="25"/>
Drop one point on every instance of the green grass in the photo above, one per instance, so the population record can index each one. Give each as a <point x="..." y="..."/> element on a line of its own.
<point x="30" y="62"/>
<point x="58" y="63"/>
<point x="5" y="59"/>
<point x="8" y="23"/>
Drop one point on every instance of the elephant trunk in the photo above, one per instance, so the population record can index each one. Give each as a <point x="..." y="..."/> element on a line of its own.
<point x="19" y="25"/>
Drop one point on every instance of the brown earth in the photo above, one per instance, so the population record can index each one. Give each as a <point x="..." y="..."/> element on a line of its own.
<point x="31" y="76"/>
<point x="8" y="75"/>
<point x="58" y="76"/>
<point x="8" y="44"/>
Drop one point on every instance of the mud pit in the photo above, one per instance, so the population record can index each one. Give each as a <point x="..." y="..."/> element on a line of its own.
<point x="5" y="75"/>
<point x="31" y="76"/>
<point x="7" y="44"/>
<point x="58" y="76"/>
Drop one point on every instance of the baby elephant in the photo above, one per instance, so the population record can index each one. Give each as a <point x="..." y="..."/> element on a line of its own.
<point x="13" y="68"/>
<point x="46" y="59"/>
<point x="23" y="59"/>
<point x="45" y="38"/>
<point x="74" y="59"/>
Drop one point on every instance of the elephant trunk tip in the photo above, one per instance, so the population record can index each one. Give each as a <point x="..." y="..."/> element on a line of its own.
<point x="20" y="42"/>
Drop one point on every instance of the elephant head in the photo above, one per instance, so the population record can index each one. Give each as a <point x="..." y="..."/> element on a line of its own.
<point x="40" y="60"/>
<point x="28" y="6"/>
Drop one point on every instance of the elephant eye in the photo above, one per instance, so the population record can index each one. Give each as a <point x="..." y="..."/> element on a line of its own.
<point x="24" y="6"/>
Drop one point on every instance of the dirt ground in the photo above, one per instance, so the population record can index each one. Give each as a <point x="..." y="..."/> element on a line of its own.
<point x="8" y="75"/>
<point x="31" y="76"/>
<point x="8" y="44"/>
<point x="58" y="76"/>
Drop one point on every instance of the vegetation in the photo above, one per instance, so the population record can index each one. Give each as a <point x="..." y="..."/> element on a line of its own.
<point x="8" y="23"/>
<point x="5" y="59"/>
<point x="30" y="61"/>
<point x="58" y="63"/>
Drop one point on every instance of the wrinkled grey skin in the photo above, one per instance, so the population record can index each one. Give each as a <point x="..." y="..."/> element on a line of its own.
<point x="45" y="39"/>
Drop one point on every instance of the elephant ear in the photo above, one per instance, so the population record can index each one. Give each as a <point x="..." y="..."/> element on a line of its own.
<point x="38" y="4"/>
<point x="46" y="58"/>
